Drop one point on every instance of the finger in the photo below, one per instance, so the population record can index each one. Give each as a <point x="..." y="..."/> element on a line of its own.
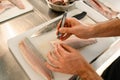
<point x="64" y="37"/>
<point x="58" y="25"/>
<point x="62" y="51"/>
<point x="52" y="68"/>
<point x="66" y="47"/>
<point x="57" y="53"/>
<point x="52" y="60"/>
<point x="53" y="55"/>
<point x="66" y="30"/>
<point x="65" y="25"/>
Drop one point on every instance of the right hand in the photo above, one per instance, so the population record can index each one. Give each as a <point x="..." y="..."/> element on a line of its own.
<point x="73" y="26"/>
<point x="66" y="59"/>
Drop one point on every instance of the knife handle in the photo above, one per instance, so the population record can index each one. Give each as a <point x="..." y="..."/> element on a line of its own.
<point x="80" y="15"/>
<point x="62" y="23"/>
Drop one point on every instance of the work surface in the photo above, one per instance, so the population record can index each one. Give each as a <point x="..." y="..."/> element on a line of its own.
<point x="9" y="67"/>
<point x="42" y="44"/>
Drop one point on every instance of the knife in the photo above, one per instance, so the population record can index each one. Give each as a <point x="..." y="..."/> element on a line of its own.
<point x="62" y="24"/>
<point x="78" y="16"/>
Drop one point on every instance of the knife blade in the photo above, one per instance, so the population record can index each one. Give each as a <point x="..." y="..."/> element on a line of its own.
<point x="78" y="16"/>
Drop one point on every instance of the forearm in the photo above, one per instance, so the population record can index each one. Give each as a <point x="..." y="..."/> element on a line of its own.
<point x="106" y="29"/>
<point x="89" y="74"/>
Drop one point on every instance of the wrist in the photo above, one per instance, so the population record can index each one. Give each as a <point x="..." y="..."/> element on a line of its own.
<point x="105" y="29"/>
<point x="90" y="32"/>
<point x="88" y="73"/>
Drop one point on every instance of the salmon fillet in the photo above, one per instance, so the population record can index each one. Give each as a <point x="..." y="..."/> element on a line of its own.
<point x="18" y="3"/>
<point x="37" y="64"/>
<point x="103" y="9"/>
<point x="5" y="5"/>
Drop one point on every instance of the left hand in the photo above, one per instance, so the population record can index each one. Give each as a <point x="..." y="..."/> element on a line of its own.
<point x="67" y="60"/>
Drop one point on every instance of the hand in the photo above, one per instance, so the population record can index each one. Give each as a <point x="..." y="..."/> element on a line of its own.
<point x="73" y="26"/>
<point x="67" y="60"/>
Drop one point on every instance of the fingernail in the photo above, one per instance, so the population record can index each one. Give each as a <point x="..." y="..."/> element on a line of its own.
<point x="60" y="30"/>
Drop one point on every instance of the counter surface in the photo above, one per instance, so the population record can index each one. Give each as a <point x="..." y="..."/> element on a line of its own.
<point x="9" y="67"/>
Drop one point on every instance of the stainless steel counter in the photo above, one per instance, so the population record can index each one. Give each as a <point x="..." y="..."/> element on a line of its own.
<point x="9" y="68"/>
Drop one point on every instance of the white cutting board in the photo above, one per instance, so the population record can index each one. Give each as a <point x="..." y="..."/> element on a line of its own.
<point x="13" y="46"/>
<point x="98" y="17"/>
<point x="114" y="4"/>
<point x="90" y="11"/>
<point x="13" y="12"/>
<point x="96" y="49"/>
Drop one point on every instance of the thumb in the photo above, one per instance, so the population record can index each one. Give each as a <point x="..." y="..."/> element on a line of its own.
<point x="65" y="30"/>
